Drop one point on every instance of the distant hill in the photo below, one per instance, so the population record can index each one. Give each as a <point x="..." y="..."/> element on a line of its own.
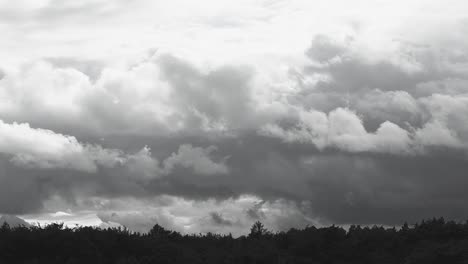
<point x="13" y="221"/>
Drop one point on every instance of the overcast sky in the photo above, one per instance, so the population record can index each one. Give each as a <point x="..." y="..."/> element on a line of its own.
<point x="209" y="115"/>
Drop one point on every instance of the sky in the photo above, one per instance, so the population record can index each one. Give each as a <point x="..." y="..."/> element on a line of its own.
<point x="206" y="116"/>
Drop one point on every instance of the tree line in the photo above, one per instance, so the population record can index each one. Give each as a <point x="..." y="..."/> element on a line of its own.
<point x="430" y="241"/>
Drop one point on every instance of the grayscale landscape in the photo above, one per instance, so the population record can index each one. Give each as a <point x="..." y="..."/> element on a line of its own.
<point x="301" y="130"/>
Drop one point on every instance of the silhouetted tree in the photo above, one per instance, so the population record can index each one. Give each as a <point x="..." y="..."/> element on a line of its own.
<point x="159" y="231"/>
<point x="258" y="230"/>
<point x="431" y="241"/>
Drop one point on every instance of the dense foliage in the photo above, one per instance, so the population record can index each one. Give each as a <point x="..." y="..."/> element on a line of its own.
<point x="433" y="241"/>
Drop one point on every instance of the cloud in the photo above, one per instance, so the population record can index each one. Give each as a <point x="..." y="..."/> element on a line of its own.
<point x="60" y="214"/>
<point x="256" y="211"/>
<point x="153" y="131"/>
<point x="344" y="130"/>
<point x="42" y="148"/>
<point x="45" y="149"/>
<point x="398" y="107"/>
<point x="196" y="158"/>
<point x="346" y="119"/>
<point x="323" y="49"/>
<point x="143" y="164"/>
<point x="449" y="111"/>
<point x="162" y="94"/>
<point x="189" y="216"/>
<point x="90" y="68"/>
<point x="374" y="102"/>
<point x="219" y="99"/>
<point x="437" y="134"/>
<point x="218" y="219"/>
<point x="30" y="13"/>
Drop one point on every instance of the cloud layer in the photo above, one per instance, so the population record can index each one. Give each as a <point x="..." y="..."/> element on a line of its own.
<point x="359" y="116"/>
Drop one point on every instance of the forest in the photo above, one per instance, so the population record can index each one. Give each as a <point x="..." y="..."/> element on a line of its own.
<point x="430" y="241"/>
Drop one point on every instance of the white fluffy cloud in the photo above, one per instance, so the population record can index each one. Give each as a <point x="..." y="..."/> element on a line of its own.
<point x="42" y="148"/>
<point x="161" y="94"/>
<point x="343" y="129"/>
<point x="45" y="149"/>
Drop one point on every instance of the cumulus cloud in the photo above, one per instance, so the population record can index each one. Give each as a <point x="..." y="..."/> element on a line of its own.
<point x="344" y="130"/>
<point x="374" y="102"/>
<point x="196" y="158"/>
<point x="324" y="49"/>
<point x="45" y="149"/>
<point x="162" y="94"/>
<point x="437" y="134"/>
<point x="398" y="107"/>
<point x="143" y="164"/>
<point x="42" y="148"/>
